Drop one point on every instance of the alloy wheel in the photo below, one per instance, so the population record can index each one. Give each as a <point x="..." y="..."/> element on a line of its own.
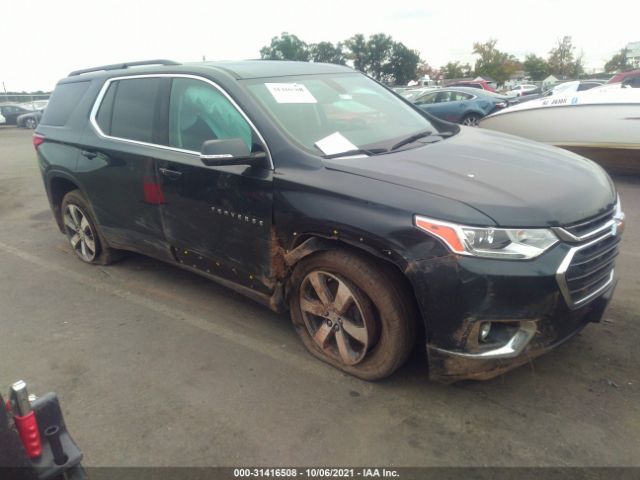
<point x="334" y="317"/>
<point x="470" y="121"/>
<point x="80" y="234"/>
<point x="30" y="123"/>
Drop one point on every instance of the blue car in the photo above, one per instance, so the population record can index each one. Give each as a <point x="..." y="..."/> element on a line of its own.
<point x="461" y="104"/>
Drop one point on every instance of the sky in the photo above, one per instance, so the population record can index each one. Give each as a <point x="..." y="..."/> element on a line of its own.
<point x="44" y="40"/>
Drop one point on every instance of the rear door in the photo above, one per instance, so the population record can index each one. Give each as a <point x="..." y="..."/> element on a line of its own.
<point x="217" y="219"/>
<point x="116" y="166"/>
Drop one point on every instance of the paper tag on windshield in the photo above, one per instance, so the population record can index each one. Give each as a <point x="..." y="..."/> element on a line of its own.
<point x="335" y="143"/>
<point x="290" y="93"/>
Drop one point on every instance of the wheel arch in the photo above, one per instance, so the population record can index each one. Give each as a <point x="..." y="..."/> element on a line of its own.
<point x="58" y="185"/>
<point x="394" y="264"/>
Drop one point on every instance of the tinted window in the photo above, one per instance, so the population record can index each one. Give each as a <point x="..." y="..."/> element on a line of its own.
<point x="106" y="110"/>
<point x="134" y="109"/>
<point x="63" y="102"/>
<point x="199" y="112"/>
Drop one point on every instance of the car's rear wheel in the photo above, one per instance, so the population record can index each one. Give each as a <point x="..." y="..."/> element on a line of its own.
<point x="80" y="227"/>
<point x="30" y="123"/>
<point x="471" y="120"/>
<point x="352" y="313"/>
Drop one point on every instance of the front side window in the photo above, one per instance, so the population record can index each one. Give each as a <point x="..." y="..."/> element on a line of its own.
<point x="199" y="112"/>
<point x="348" y="108"/>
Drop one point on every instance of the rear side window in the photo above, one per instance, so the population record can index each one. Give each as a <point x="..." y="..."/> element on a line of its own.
<point x="65" y="98"/>
<point x="134" y="109"/>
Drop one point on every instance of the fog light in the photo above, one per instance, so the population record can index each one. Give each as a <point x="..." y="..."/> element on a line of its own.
<point x="485" y="329"/>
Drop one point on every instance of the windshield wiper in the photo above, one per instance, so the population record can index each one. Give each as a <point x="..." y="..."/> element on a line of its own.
<point x="359" y="151"/>
<point x="411" y="139"/>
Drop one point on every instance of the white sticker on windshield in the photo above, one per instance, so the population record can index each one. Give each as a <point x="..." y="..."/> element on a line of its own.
<point x="335" y="143"/>
<point x="290" y="93"/>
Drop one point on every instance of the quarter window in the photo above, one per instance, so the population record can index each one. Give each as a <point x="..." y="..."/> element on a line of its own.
<point x="198" y="112"/>
<point x="64" y="101"/>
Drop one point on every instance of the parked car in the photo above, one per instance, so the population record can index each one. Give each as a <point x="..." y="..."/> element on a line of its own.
<point x="523" y="89"/>
<point x="479" y="84"/>
<point x="460" y="104"/>
<point x="29" y="120"/>
<point x="11" y="112"/>
<point x="375" y="233"/>
<point x="631" y="78"/>
<point x="2" y="119"/>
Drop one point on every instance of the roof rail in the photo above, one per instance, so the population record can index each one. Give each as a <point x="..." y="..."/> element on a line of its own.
<point x="119" y="66"/>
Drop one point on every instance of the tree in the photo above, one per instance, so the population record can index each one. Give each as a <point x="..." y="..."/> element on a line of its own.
<point x="618" y="63"/>
<point x="536" y="67"/>
<point x="424" y="69"/>
<point x="379" y="48"/>
<point x="494" y="63"/>
<point x="285" y="47"/>
<point x="561" y="61"/>
<point x="326" y="52"/>
<point x="358" y="53"/>
<point x="383" y="58"/>
<point x="402" y="66"/>
<point x="455" y="70"/>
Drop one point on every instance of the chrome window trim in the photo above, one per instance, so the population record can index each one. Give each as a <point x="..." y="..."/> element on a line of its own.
<point x="107" y="83"/>
<point x="564" y="266"/>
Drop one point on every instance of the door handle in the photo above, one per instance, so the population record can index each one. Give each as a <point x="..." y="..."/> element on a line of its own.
<point x="88" y="154"/>
<point x="171" y="174"/>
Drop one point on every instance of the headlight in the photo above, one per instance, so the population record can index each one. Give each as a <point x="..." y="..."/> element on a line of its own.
<point x="619" y="217"/>
<point x="503" y="243"/>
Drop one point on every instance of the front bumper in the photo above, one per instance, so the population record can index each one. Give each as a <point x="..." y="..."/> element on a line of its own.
<point x="457" y="295"/>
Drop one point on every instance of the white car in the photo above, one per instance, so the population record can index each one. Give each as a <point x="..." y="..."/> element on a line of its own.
<point x="2" y="120"/>
<point x="520" y="90"/>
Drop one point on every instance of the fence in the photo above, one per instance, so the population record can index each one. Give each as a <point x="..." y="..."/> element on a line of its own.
<point x="34" y="99"/>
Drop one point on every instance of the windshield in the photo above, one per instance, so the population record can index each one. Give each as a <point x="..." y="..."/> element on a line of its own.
<point x="330" y="114"/>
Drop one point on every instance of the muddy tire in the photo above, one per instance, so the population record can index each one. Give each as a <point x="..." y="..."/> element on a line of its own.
<point x="352" y="313"/>
<point x="80" y="227"/>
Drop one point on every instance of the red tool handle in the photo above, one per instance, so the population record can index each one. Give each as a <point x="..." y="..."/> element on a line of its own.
<point x="28" y="430"/>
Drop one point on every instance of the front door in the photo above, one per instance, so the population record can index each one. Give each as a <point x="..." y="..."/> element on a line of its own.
<point x="216" y="219"/>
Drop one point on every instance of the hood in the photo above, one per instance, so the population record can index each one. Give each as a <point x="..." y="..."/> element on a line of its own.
<point x="516" y="182"/>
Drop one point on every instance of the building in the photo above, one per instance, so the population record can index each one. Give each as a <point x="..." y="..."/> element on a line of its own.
<point x="633" y="53"/>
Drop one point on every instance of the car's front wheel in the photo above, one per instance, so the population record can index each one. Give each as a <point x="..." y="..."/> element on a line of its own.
<point x="80" y="227"/>
<point x="30" y="123"/>
<point x="352" y="313"/>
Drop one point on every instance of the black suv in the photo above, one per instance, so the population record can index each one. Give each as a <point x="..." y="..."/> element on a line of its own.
<point x="313" y="188"/>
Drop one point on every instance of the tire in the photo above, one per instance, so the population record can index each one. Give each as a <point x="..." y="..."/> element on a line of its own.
<point x="30" y="123"/>
<point x="80" y="227"/>
<point x="365" y="325"/>
<point x="470" y="120"/>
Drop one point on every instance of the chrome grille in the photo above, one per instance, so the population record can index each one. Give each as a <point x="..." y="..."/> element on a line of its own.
<point x="580" y="232"/>
<point x="587" y="270"/>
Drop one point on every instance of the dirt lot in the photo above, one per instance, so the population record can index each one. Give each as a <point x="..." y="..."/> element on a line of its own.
<point x="157" y="366"/>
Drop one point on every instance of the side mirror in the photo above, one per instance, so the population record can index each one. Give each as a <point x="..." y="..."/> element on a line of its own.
<point x="229" y="151"/>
